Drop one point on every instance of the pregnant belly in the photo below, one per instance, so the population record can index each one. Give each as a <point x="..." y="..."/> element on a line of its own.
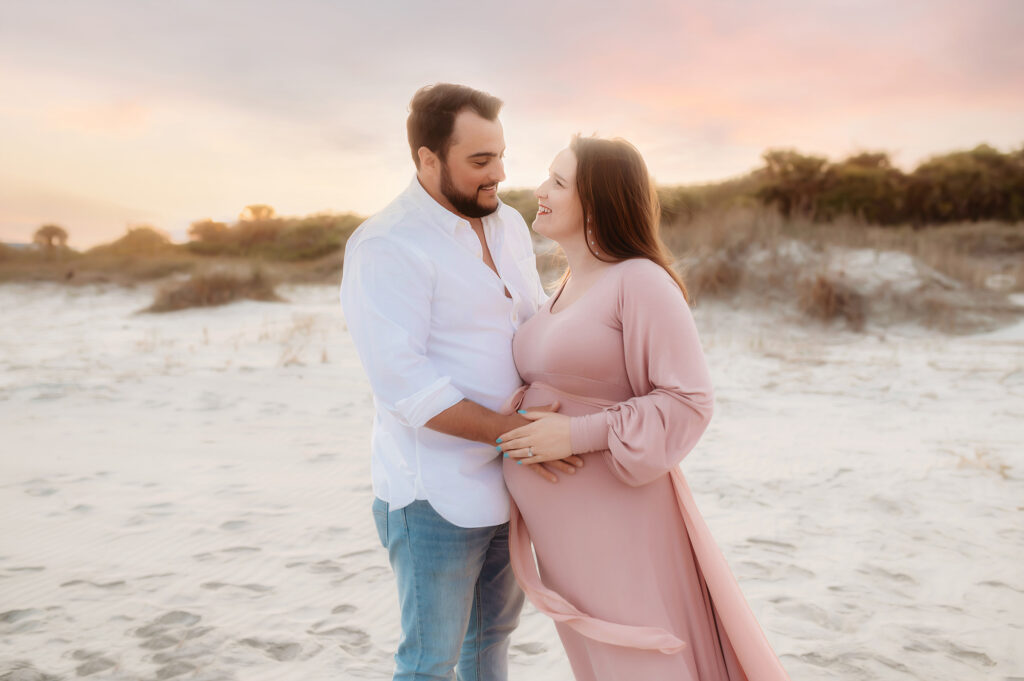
<point x="576" y="522"/>
<point x="536" y="497"/>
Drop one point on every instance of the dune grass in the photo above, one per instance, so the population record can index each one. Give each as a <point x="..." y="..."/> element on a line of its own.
<point x="738" y="251"/>
<point x="982" y="256"/>
<point x="214" y="288"/>
<point x="756" y="256"/>
<point x="822" y="297"/>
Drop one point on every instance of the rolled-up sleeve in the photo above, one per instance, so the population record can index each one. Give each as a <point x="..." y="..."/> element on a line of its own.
<point x="386" y="296"/>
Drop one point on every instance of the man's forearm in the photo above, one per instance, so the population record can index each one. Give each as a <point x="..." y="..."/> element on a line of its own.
<point x="472" y="421"/>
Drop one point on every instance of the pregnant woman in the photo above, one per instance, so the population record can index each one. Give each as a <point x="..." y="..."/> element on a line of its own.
<point x="625" y="564"/>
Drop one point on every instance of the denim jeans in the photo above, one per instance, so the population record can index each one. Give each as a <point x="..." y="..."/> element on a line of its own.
<point x="458" y="596"/>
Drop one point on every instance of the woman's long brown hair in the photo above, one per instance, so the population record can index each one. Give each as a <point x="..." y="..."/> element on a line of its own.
<point x="620" y="208"/>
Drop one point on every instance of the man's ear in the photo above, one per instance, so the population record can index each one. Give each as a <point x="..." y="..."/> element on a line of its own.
<point x="428" y="159"/>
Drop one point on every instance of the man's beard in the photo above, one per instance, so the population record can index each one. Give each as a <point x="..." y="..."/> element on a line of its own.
<point x="465" y="204"/>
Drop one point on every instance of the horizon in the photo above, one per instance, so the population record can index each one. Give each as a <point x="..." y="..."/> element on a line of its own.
<point x="118" y="114"/>
<point x="181" y="236"/>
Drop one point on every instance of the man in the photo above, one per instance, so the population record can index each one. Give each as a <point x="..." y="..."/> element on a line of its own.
<point x="433" y="288"/>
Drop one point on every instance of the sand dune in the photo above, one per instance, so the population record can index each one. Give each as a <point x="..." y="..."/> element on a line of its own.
<point x="187" y="495"/>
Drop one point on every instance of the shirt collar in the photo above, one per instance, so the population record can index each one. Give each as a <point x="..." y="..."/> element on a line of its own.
<point x="438" y="213"/>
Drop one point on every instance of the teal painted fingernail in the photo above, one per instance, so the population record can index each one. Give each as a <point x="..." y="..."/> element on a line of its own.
<point x="499" y="448"/>
<point x="498" y="440"/>
<point x="520" y="462"/>
<point x="522" y="411"/>
<point x="506" y="456"/>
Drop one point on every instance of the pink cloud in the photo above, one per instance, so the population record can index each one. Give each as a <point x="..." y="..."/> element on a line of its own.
<point x="118" y="117"/>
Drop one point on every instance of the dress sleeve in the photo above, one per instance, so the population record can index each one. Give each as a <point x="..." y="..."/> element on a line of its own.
<point x="648" y="435"/>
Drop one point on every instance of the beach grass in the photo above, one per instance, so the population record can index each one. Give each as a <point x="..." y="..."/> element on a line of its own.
<point x="214" y="288"/>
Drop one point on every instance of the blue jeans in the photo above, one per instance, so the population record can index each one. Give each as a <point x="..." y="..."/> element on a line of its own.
<point x="458" y="596"/>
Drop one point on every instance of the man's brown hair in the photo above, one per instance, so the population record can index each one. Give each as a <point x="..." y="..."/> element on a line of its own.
<point x="432" y="113"/>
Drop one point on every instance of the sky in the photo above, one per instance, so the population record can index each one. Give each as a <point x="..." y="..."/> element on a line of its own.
<point x="116" y="113"/>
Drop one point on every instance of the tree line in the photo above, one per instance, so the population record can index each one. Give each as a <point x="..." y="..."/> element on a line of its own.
<point x="259" y="232"/>
<point x="962" y="186"/>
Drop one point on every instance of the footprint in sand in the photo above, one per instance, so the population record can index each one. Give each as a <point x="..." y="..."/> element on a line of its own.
<point x="21" y="621"/>
<point x="94" y="662"/>
<point x="780" y="546"/>
<point x="998" y="584"/>
<point x="41" y="491"/>
<point x="233" y="525"/>
<point x="98" y="585"/>
<point x="350" y="639"/>
<point x="20" y="670"/>
<point x="178" y="617"/>
<point x="170" y="629"/>
<point x="12" y="616"/>
<point x="325" y="567"/>
<point x="258" y="588"/>
<point x="322" y="458"/>
<point x="282" y="652"/>
<point x="212" y="555"/>
<point x="176" y="668"/>
<point x="971" y="655"/>
<point x="532" y="648"/>
<point x="159" y="642"/>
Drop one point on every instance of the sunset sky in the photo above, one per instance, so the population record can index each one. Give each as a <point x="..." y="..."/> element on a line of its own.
<point x="114" y="113"/>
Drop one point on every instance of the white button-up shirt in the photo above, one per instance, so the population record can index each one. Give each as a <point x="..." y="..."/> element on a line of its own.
<point x="433" y="326"/>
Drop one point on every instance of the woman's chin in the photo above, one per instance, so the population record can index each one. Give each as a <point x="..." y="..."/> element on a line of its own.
<point x="541" y="226"/>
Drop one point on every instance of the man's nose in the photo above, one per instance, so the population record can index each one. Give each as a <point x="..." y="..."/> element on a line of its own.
<point x="501" y="171"/>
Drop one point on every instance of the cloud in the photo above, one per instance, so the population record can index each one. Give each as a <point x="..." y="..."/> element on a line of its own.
<point x="194" y="108"/>
<point x="119" y="117"/>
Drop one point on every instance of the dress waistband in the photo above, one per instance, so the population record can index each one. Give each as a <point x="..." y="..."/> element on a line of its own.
<point x="516" y="400"/>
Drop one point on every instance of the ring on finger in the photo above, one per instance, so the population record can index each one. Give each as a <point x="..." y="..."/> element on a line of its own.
<point x="529" y="451"/>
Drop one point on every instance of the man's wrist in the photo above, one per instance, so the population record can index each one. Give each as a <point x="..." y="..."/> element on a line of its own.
<point x="503" y="424"/>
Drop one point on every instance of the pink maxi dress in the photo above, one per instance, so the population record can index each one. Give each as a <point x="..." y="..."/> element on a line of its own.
<point x="625" y="564"/>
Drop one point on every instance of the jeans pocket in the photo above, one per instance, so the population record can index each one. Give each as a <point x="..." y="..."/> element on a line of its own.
<point x="380" y="519"/>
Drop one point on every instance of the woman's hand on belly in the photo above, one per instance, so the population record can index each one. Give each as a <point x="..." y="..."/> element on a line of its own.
<point x="565" y="465"/>
<point x="548" y="438"/>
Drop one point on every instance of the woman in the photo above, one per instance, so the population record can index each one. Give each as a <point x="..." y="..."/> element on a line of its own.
<point x="627" y="568"/>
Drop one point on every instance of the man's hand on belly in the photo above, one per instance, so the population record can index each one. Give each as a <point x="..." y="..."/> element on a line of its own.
<point x="472" y="421"/>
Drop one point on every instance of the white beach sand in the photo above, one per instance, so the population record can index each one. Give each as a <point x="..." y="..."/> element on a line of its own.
<point x="187" y="495"/>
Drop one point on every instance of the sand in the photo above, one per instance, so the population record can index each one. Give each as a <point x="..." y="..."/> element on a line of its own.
<point x="187" y="495"/>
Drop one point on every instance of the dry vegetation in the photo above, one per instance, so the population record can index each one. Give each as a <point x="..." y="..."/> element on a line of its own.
<point x="838" y="240"/>
<point x="303" y="254"/>
<point x="959" y="281"/>
<point x="751" y="255"/>
<point x="985" y="255"/>
<point x="215" y="288"/>
<point x="821" y="297"/>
